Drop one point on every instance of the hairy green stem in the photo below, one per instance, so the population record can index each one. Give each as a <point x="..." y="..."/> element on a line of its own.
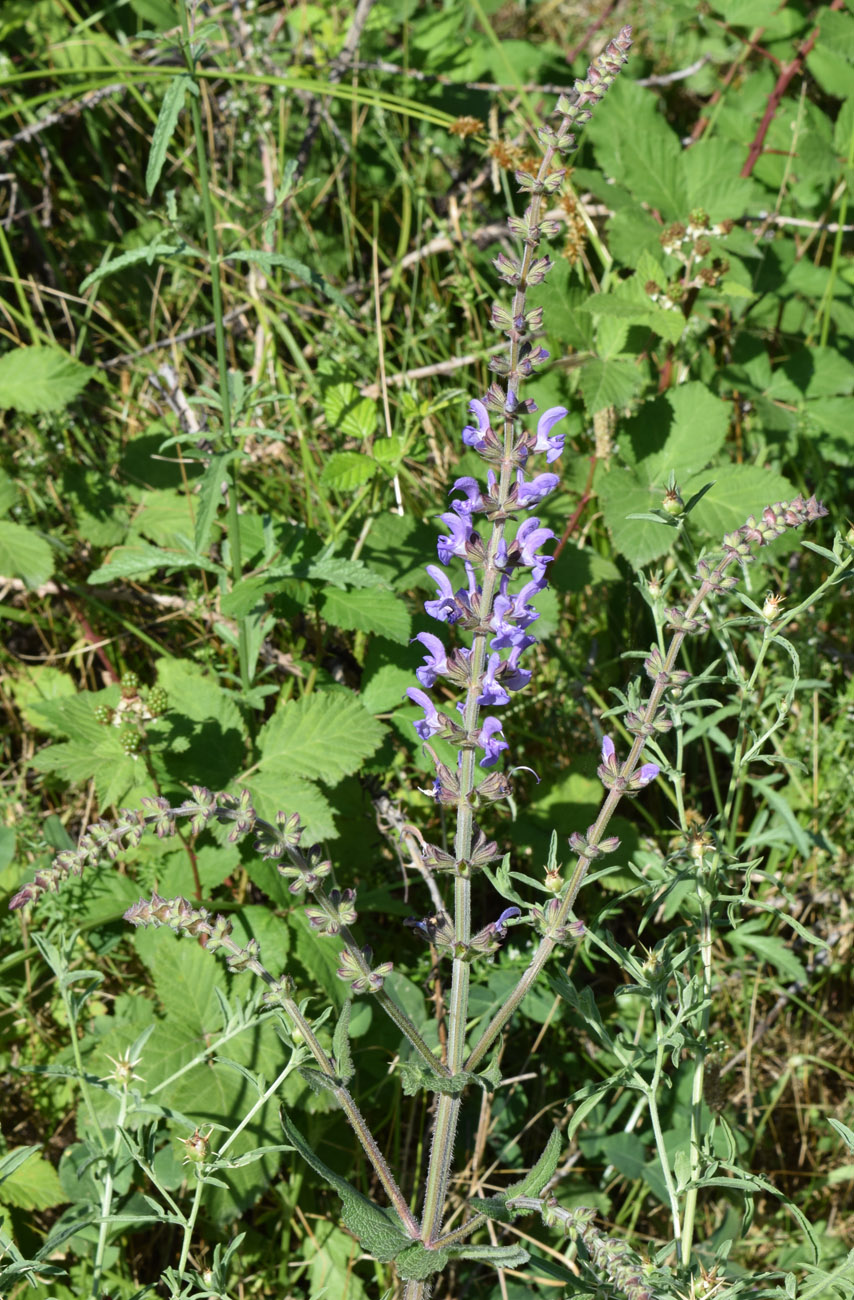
<point x="107" y="1201"/>
<point x="228" y="435"/>
<point x="281" y="997"/>
<point x="702" y="1034"/>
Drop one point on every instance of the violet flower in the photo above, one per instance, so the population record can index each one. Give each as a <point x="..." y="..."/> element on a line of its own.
<point x="551" y="444"/>
<point x="487" y="738"/>
<point x="476" y="437"/>
<point x="436" y="663"/>
<point x="460" y="535"/>
<point x="431" y="723"/>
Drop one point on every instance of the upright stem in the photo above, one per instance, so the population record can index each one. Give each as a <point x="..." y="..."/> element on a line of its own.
<point x="107" y="1200"/>
<point x="222" y="359"/>
<point x="448" y="1107"/>
<point x="699" y="1070"/>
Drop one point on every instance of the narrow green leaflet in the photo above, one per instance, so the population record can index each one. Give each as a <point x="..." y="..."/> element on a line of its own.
<point x="135" y="561"/>
<point x="167" y="120"/>
<point x="156" y="249"/>
<point x="268" y="261"/>
<point x="496" y="1207"/>
<point x="341" y="1044"/>
<point x="377" y="1229"/>
<point x="210" y="498"/>
<point x="41" y="379"/>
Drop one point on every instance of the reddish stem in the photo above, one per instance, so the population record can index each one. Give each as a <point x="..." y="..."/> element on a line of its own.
<point x="777" y="94"/>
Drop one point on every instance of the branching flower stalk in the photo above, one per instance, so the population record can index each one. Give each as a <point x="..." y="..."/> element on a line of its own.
<point x="496" y="619"/>
<point x="181" y="917"/>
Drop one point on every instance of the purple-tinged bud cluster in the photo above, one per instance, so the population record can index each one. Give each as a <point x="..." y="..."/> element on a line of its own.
<point x="609" y="1257"/>
<point x="609" y="773"/>
<point x="439" y="931"/>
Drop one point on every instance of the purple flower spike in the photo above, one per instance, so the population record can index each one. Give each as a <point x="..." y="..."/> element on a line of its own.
<point x="455" y="544"/>
<point x="488" y="740"/>
<point x="528" y="494"/>
<point x="429" y="724"/>
<point x="436" y="662"/>
<point x="551" y="444"/>
<point x="476" y="437"/>
<point x="529" y="538"/>
<point x="444" y="607"/>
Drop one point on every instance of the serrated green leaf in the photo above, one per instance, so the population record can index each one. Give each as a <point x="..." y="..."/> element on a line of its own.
<point x="323" y="736"/>
<point x="609" y="383"/>
<point x="157" y="248"/>
<point x="380" y="612"/>
<point x="24" y="554"/>
<point x="339" y="572"/>
<point x="36" y="1186"/>
<point x="37" y="379"/>
<point x="389" y="451"/>
<point x="276" y="788"/>
<point x="167" y="120"/>
<point x="608" y="304"/>
<point x="623" y="494"/>
<point x="134" y="561"/>
<point x="832" y="70"/>
<point x="204" y="728"/>
<point x="712" y="183"/>
<point x="377" y="1229"/>
<point x="346" y="470"/>
<point x="331" y="1256"/>
<point x="830" y="417"/>
<point x="113" y="771"/>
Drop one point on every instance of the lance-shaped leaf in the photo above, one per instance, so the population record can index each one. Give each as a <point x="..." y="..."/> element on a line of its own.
<point x="377" y="1230"/>
<point x="496" y="1207"/>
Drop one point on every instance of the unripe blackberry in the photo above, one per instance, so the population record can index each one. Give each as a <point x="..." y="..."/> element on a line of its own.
<point x="103" y="714"/>
<point x="131" y="741"/>
<point x="130" y="685"/>
<point x="157" y="701"/>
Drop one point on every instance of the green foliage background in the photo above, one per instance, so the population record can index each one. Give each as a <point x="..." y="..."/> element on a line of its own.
<point x="356" y="282"/>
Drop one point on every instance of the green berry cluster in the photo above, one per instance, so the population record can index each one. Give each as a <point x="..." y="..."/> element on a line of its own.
<point x="157" y="701"/>
<point x="131" y="741"/>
